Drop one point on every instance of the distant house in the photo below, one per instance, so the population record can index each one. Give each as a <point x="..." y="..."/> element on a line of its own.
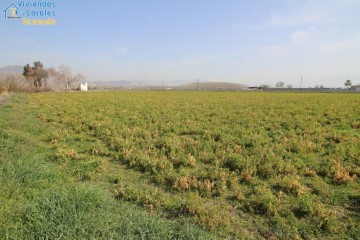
<point x="355" y="88"/>
<point x="255" y="88"/>
<point x="83" y="87"/>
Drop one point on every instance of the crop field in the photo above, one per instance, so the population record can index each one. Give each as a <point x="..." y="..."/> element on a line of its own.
<point x="238" y="165"/>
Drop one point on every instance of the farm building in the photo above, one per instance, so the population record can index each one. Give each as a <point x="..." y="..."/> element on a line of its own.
<point x="355" y="88"/>
<point x="83" y="87"/>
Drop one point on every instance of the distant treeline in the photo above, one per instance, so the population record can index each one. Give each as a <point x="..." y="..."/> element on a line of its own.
<point x="36" y="78"/>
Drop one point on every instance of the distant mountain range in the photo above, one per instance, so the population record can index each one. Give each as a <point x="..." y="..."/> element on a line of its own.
<point x="116" y="84"/>
<point x="179" y="85"/>
<point x="176" y="84"/>
<point x="126" y="83"/>
<point x="212" y="86"/>
<point x="12" y="69"/>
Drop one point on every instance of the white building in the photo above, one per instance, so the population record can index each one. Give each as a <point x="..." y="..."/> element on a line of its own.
<point x="83" y="87"/>
<point x="355" y="88"/>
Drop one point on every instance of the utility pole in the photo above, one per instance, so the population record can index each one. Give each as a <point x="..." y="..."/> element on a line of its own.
<point x="301" y="83"/>
<point x="197" y="85"/>
<point x="162" y="85"/>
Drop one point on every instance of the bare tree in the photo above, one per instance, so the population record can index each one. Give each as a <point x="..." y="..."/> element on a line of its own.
<point x="80" y="77"/>
<point x="65" y="75"/>
<point x="65" y="78"/>
<point x="56" y="79"/>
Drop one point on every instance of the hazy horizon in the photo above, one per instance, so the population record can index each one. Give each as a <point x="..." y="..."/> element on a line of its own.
<point x="245" y="42"/>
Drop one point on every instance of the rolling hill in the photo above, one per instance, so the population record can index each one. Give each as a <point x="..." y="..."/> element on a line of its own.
<point x="11" y="69"/>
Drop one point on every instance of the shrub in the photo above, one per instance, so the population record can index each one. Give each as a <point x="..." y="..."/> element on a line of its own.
<point x="291" y="184"/>
<point x="261" y="201"/>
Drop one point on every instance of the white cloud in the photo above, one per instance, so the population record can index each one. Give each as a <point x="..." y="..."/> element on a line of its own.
<point x="198" y="60"/>
<point x="121" y="50"/>
<point x="275" y="50"/>
<point x="301" y="36"/>
<point x="311" y="12"/>
<point x="341" y="46"/>
<point x="297" y="20"/>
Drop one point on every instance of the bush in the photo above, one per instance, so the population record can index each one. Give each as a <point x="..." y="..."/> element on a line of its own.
<point x="12" y="83"/>
<point x="261" y="201"/>
<point x="2" y="87"/>
<point x="17" y="83"/>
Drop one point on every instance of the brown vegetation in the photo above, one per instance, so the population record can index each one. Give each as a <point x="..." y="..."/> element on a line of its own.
<point x="12" y="83"/>
<point x="38" y="79"/>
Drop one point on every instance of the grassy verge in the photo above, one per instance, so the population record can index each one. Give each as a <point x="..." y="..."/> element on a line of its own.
<point x="39" y="201"/>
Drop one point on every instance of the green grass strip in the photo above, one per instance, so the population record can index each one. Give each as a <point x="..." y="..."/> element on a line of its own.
<point x="39" y="201"/>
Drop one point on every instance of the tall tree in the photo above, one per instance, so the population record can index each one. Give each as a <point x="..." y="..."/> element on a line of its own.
<point x="36" y="74"/>
<point x="348" y="84"/>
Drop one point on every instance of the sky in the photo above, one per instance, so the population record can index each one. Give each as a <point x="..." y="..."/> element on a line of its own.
<point x="250" y="42"/>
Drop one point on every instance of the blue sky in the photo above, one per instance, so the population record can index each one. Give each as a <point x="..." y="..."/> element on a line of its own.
<point x="250" y="42"/>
